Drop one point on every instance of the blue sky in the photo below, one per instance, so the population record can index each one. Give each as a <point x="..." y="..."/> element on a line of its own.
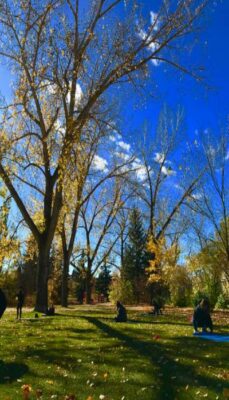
<point x="204" y="107"/>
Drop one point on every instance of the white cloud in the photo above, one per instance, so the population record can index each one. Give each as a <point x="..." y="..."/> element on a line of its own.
<point x="124" y="145"/>
<point x="122" y="155"/>
<point x="227" y="156"/>
<point x="99" y="164"/>
<point x="152" y="45"/>
<point x="49" y="87"/>
<point x="140" y="170"/>
<point x="59" y="127"/>
<point x="112" y="138"/>
<point x="154" y="20"/>
<point x="78" y="95"/>
<point x="167" y="171"/>
<point x="141" y="174"/>
<point x="115" y="137"/>
<point x="196" y="196"/>
<point x="159" y="157"/>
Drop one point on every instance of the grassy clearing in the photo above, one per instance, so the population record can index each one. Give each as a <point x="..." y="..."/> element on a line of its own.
<point x="83" y="352"/>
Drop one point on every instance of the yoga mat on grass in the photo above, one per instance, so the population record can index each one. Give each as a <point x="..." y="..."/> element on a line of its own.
<point x="214" y="337"/>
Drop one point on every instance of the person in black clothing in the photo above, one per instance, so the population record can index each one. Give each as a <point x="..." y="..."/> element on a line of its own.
<point x="157" y="308"/>
<point x="50" y="310"/>
<point x="3" y="303"/>
<point x="202" y="318"/>
<point x="20" y="302"/>
<point x="121" y="313"/>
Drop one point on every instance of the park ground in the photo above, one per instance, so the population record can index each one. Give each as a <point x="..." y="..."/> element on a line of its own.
<point x="82" y="351"/>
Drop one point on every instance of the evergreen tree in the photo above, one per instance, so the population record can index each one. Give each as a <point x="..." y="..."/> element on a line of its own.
<point x="135" y="259"/>
<point x="103" y="282"/>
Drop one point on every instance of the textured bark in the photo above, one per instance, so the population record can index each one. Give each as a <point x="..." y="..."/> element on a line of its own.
<point x="64" y="286"/>
<point x="42" y="280"/>
<point x="88" y="285"/>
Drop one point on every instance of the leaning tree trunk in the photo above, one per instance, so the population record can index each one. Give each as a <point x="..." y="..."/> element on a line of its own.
<point x="64" y="286"/>
<point x="42" y="279"/>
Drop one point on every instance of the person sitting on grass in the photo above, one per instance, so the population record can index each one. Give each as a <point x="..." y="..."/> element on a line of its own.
<point x="121" y="313"/>
<point x="157" y="304"/>
<point x="20" y="302"/>
<point x="3" y="303"/>
<point x="202" y="318"/>
<point x="50" y="311"/>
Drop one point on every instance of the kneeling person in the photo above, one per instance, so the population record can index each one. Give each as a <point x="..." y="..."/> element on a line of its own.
<point x="202" y="318"/>
<point x="121" y="313"/>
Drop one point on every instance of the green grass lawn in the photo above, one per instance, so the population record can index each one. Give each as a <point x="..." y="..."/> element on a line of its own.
<point x="83" y="352"/>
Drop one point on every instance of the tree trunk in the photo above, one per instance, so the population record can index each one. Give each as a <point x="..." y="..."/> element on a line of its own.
<point x="64" y="287"/>
<point x="42" y="279"/>
<point x="88" y="285"/>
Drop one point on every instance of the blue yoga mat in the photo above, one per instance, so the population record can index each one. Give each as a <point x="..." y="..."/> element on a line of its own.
<point x="214" y="337"/>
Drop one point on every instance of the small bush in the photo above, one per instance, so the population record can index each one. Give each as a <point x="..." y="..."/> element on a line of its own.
<point x="222" y="301"/>
<point x="121" y="290"/>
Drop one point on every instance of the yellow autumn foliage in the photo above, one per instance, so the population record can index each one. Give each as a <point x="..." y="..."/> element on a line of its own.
<point x="163" y="257"/>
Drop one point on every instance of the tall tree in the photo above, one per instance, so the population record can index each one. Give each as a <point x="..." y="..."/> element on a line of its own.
<point x="209" y="227"/>
<point x="83" y="184"/>
<point x="98" y="216"/>
<point x="65" y="61"/>
<point x="135" y="258"/>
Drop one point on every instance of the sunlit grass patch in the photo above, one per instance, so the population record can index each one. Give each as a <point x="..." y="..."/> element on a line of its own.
<point x="84" y="352"/>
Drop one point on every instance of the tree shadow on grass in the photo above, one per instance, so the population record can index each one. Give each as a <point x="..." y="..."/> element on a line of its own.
<point x="172" y="375"/>
<point x="10" y="372"/>
<point x="148" y="321"/>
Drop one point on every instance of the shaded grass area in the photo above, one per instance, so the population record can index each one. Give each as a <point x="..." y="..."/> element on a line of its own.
<point x="84" y="352"/>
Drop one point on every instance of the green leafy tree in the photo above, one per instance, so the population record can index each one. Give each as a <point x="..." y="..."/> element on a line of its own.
<point x="121" y="290"/>
<point x="207" y="272"/>
<point x="179" y="284"/>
